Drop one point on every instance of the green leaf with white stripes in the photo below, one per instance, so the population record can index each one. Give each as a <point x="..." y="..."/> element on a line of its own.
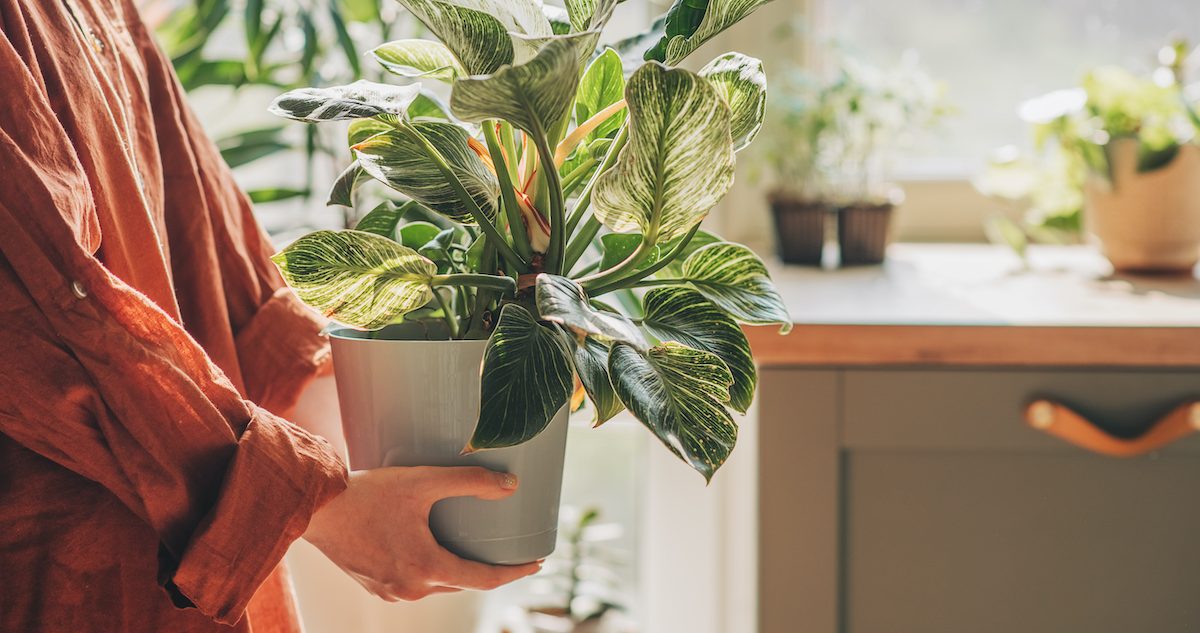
<point x="602" y="85"/>
<point x="679" y="393"/>
<point x="342" y="191"/>
<point x="484" y="34"/>
<point x="591" y="364"/>
<point x="679" y="159"/>
<point x="385" y="218"/>
<point x="357" y="278"/>
<point x="690" y="23"/>
<point x="683" y="315"/>
<point x="399" y="159"/>
<point x="741" y="82"/>
<point x="561" y="300"/>
<point x="419" y="59"/>
<point x="533" y="96"/>
<point x="526" y="379"/>
<point x="736" y="280"/>
<point x="363" y="129"/>
<point x="588" y="15"/>
<point x="358" y="100"/>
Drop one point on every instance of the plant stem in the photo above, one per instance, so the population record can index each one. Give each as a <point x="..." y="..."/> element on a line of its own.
<point x="571" y="181"/>
<point x="558" y="217"/>
<point x="451" y="320"/>
<point x="500" y="283"/>
<point x="483" y="298"/>
<point x="579" y="243"/>
<point x="623" y="269"/>
<point x="489" y="229"/>
<point x="632" y="280"/>
<point x="515" y="222"/>
<point x="582" y="130"/>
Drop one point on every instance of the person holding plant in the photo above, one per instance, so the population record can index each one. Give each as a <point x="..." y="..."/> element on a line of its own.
<point x="147" y="482"/>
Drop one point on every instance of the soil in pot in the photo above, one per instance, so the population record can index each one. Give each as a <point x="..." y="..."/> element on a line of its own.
<point x="800" y="227"/>
<point x="407" y="401"/>
<point x="1147" y="222"/>
<point x="863" y="230"/>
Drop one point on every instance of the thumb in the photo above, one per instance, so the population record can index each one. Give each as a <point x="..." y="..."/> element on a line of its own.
<point x="471" y="481"/>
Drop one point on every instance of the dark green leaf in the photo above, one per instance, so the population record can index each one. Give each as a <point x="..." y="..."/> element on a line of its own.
<point x="679" y="393"/>
<point x="690" y="23"/>
<point x="526" y="380"/>
<point x="591" y="363"/>
<point x="344" y="39"/>
<point x="383" y="220"/>
<point x="342" y="191"/>
<point x="561" y="300"/>
<point x="418" y="234"/>
<point x="683" y="315"/>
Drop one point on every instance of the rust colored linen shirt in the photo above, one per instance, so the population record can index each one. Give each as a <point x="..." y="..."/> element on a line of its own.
<point x="145" y="338"/>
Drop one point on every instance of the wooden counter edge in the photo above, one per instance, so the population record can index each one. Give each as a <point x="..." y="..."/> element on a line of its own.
<point x="976" y="345"/>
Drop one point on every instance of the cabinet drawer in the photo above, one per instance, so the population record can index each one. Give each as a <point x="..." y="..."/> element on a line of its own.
<point x="984" y="409"/>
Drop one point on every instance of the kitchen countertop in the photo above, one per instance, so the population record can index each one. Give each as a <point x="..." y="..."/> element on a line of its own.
<point x="980" y="305"/>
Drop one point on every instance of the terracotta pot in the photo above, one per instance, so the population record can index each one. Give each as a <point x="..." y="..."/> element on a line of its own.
<point x="412" y="402"/>
<point x="863" y="232"/>
<point x="1147" y="222"/>
<point x="800" y="227"/>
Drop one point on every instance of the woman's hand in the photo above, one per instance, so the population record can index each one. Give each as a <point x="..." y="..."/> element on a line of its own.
<point x="377" y="531"/>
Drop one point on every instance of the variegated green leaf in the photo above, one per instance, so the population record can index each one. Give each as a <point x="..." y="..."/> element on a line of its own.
<point x="561" y="300"/>
<point x="363" y="129"/>
<point x="342" y="191"/>
<point x="602" y="85"/>
<point x="679" y="159"/>
<point x="560" y="20"/>
<point x="533" y="96"/>
<point x="588" y="15"/>
<point x="690" y="23"/>
<point x="358" y="100"/>
<point x="484" y="34"/>
<point x="736" y="280"/>
<point x="617" y="247"/>
<point x="419" y="59"/>
<point x="683" y="315"/>
<point x="740" y="80"/>
<point x="427" y="106"/>
<point x="526" y="379"/>
<point x="360" y="279"/>
<point x="679" y="393"/>
<point x="398" y="159"/>
<point x="383" y="219"/>
<point x="591" y="364"/>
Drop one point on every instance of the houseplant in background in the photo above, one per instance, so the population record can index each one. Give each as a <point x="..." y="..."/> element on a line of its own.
<point x="1118" y="157"/>
<point x="836" y="154"/>
<point x="567" y="187"/>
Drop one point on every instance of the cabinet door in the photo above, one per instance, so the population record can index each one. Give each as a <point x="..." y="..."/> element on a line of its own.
<point x="959" y="518"/>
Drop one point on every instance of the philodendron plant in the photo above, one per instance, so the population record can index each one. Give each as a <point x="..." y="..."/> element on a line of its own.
<point x="567" y="189"/>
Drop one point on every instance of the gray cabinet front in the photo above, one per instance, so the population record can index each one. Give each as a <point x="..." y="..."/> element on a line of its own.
<point x="929" y="506"/>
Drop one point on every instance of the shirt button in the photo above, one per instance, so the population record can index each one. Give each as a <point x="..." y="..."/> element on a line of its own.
<point x="79" y="290"/>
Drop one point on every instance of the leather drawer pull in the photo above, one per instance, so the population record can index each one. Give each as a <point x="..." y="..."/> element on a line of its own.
<point x="1060" y="421"/>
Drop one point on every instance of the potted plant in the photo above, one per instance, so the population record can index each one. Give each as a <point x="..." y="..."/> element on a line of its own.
<point x="843" y="132"/>
<point x="565" y="187"/>
<point x="1120" y="151"/>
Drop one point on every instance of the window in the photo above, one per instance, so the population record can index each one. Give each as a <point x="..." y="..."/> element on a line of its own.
<point x="993" y="55"/>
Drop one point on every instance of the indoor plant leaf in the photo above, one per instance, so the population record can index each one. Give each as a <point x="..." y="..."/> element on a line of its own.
<point x="690" y="23"/>
<point x="399" y="160"/>
<point x="679" y="393"/>
<point x="483" y="34"/>
<point x="357" y="278"/>
<point x="591" y="363"/>
<point x="428" y="106"/>
<point x="683" y="315"/>
<point x="587" y="15"/>
<point x="358" y="100"/>
<point x="417" y="234"/>
<point x="603" y="84"/>
<point x="418" y="59"/>
<point x="533" y="96"/>
<point x="342" y="191"/>
<point x="561" y="300"/>
<point x="735" y="279"/>
<point x="363" y="129"/>
<point x="384" y="218"/>
<point x="679" y="159"/>
<point x="526" y="379"/>
<point x="617" y="247"/>
<point x="740" y="80"/>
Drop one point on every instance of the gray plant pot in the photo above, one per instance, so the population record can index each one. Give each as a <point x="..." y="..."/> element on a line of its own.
<point x="411" y="402"/>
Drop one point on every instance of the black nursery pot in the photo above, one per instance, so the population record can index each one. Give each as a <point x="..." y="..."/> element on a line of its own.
<point x="863" y="232"/>
<point x="800" y="226"/>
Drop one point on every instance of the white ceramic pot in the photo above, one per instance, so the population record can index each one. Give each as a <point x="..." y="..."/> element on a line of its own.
<point x="411" y="402"/>
<point x="1147" y="222"/>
